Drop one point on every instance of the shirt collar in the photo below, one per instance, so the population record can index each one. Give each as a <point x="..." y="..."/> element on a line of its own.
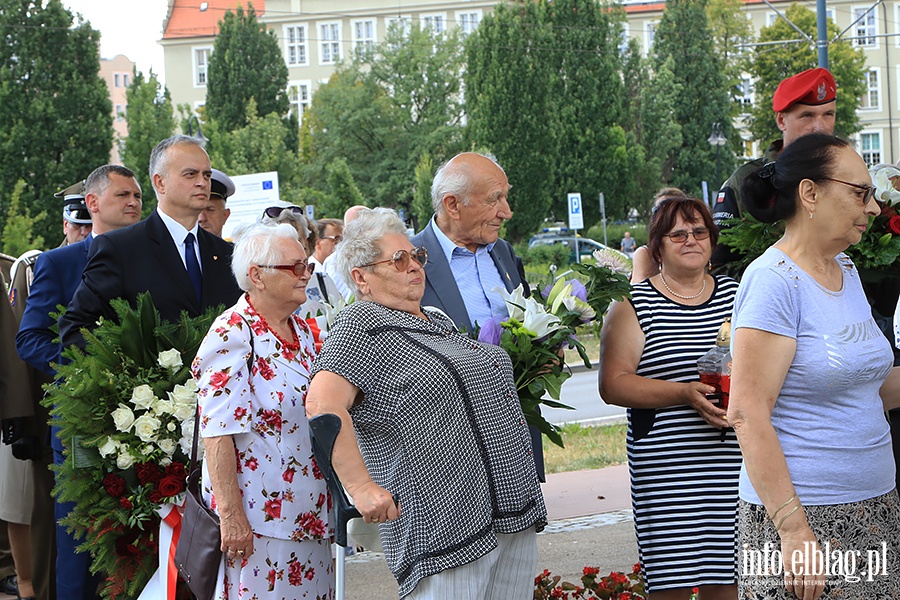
<point x="448" y="245"/>
<point x="176" y="229"/>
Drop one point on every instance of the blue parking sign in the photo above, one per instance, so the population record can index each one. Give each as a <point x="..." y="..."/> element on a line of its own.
<point x="576" y="217"/>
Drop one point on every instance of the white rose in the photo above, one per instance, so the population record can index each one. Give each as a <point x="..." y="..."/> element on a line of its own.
<point x="171" y="426"/>
<point x="192" y="386"/>
<point x="124" y="460"/>
<point x="145" y="427"/>
<point x="170" y="359"/>
<point x="167" y="446"/>
<point x="142" y="396"/>
<point x="183" y="395"/>
<point x="184" y="412"/>
<point x="109" y="447"/>
<point x="123" y="418"/>
<point x="165" y="461"/>
<point x="163" y="407"/>
<point x="187" y="436"/>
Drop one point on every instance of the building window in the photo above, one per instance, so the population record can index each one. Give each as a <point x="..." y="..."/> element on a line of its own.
<point x="298" y="95"/>
<point x="402" y="24"/>
<point x="870" y="148"/>
<point x="125" y="79"/>
<point x="295" y="41"/>
<point x="120" y="112"/>
<point x="116" y="81"/>
<point x="437" y="23"/>
<point x="201" y="64"/>
<point x="329" y="43"/>
<point x="363" y="35"/>
<point x="771" y="19"/>
<point x="468" y="21"/>
<point x="650" y="34"/>
<point x="864" y="28"/>
<point x="745" y="94"/>
<point x="871" y="98"/>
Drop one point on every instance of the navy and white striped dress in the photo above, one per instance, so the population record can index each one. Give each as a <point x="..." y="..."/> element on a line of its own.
<point x="684" y="476"/>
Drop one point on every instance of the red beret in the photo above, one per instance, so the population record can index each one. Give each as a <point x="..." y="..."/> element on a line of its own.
<point x="813" y="87"/>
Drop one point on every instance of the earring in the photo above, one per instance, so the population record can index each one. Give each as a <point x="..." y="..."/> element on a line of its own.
<point x="810" y="214"/>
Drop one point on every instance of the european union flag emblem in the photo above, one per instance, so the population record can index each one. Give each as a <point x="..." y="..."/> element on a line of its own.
<point x="267" y="185"/>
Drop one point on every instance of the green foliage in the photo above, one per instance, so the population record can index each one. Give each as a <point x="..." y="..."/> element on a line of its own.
<point x="18" y="236"/>
<point x="259" y="145"/>
<point x="685" y="37"/>
<point x="150" y="120"/>
<point x="383" y="110"/>
<point x="344" y="192"/>
<point x="659" y="131"/>
<point x="554" y="254"/>
<point x="55" y="112"/>
<point x="120" y="532"/>
<point x="750" y="238"/>
<point x="421" y="207"/>
<point x="773" y="63"/>
<point x="246" y="63"/>
<point x="731" y="27"/>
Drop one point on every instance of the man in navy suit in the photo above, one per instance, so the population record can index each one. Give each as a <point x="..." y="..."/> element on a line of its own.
<point x="113" y="198"/>
<point x="185" y="268"/>
<point x="466" y="257"/>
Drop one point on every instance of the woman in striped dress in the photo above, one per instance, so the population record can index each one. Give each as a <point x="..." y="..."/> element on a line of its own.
<point x="683" y="459"/>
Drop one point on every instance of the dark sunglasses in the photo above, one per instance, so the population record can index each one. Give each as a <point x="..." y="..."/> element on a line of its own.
<point x="298" y="268"/>
<point x="400" y="259"/>
<point x="681" y="236"/>
<point x="273" y="212"/>
<point x="868" y="189"/>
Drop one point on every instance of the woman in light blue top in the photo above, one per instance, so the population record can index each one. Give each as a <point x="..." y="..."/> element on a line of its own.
<point x="812" y="375"/>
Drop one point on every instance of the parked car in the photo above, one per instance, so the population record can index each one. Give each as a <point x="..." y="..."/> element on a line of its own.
<point x="586" y="246"/>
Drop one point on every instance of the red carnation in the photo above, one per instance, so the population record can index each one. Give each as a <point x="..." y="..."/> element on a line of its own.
<point x="148" y="473"/>
<point x="125" y="503"/>
<point x="127" y="545"/>
<point x="171" y="486"/>
<point x="893" y="225"/>
<point x="114" y="485"/>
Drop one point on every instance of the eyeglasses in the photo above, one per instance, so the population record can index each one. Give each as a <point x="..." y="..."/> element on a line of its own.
<point x="298" y="268"/>
<point x="680" y="237"/>
<point x="273" y="212"/>
<point x="400" y="259"/>
<point x="869" y="189"/>
<point x="334" y="238"/>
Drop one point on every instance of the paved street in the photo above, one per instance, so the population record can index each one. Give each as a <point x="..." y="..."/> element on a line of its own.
<point x="580" y="392"/>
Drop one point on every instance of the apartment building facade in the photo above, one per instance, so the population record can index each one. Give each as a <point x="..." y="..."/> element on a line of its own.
<point x="316" y="34"/>
<point x="117" y="73"/>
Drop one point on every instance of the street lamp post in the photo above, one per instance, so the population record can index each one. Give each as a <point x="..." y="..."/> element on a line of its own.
<point x="190" y="130"/>
<point x="717" y="140"/>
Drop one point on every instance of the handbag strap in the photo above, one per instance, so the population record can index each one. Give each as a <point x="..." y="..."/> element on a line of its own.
<point x="251" y="358"/>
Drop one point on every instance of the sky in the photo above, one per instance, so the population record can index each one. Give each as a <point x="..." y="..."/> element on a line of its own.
<point x="129" y="27"/>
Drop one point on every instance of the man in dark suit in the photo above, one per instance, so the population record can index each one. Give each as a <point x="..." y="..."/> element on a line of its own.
<point x="466" y="257"/>
<point x="184" y="268"/>
<point x="112" y="201"/>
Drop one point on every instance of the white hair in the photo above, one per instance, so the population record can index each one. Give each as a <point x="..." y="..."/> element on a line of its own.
<point x="455" y="180"/>
<point x="257" y="246"/>
<point x="362" y="240"/>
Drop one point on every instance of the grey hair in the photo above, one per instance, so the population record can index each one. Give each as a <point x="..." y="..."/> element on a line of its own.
<point x="257" y="246"/>
<point x="159" y="157"/>
<point x="362" y="240"/>
<point x="98" y="180"/>
<point x="300" y="224"/>
<point x="455" y="180"/>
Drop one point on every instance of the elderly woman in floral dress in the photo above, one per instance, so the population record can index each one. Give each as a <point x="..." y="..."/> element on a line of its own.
<point x="259" y="474"/>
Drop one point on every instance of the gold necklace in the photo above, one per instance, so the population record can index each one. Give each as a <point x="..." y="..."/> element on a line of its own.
<point x="676" y="294"/>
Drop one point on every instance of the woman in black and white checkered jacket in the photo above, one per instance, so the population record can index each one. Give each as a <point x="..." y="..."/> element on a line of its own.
<point x="439" y="427"/>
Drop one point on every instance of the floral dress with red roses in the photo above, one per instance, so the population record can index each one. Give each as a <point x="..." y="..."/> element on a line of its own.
<point x="285" y="497"/>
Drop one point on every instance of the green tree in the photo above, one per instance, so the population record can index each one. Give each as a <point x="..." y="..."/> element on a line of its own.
<point x="258" y="146"/>
<point x="509" y="107"/>
<point x="422" y="208"/>
<point x="773" y="63"/>
<point x="685" y="36"/>
<point x="55" y="112"/>
<point x="246" y="63"/>
<point x="344" y="192"/>
<point x="384" y="109"/>
<point x="150" y="120"/>
<point x="659" y="131"/>
<point x="732" y="33"/>
<point x="18" y="232"/>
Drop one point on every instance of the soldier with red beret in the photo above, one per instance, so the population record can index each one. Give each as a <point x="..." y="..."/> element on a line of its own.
<point x="803" y="104"/>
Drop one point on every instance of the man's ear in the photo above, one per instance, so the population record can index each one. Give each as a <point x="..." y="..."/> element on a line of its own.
<point x="779" y="121"/>
<point x="159" y="183"/>
<point x="92" y="201"/>
<point x="451" y="204"/>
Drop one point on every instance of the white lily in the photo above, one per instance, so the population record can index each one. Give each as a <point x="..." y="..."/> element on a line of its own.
<point x="515" y="301"/>
<point x="577" y="305"/>
<point x="883" y="177"/>
<point x="561" y="289"/>
<point x="537" y="320"/>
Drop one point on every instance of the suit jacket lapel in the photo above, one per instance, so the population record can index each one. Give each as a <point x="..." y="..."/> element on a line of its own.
<point x="505" y="266"/>
<point x="440" y="278"/>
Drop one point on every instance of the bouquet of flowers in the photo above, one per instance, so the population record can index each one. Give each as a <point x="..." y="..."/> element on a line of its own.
<point x="615" y="586"/>
<point x="540" y="326"/>
<point x="125" y="411"/>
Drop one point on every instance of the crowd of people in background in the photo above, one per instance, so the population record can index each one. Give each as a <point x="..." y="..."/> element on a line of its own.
<point x="434" y="448"/>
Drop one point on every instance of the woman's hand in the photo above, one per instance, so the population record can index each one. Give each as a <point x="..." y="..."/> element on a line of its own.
<point x="375" y="503"/>
<point x="695" y="394"/>
<point x="801" y="577"/>
<point x="237" y="537"/>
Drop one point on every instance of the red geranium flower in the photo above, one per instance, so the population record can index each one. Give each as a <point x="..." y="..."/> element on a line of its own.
<point x="591" y="571"/>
